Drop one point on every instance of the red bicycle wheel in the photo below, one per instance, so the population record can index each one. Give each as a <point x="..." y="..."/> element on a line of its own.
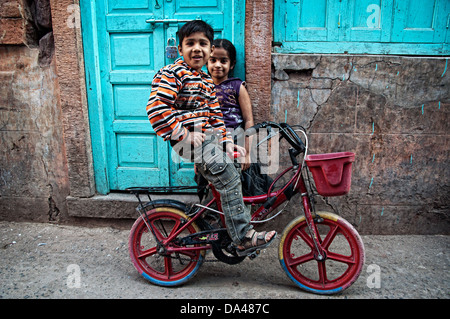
<point x="344" y="254"/>
<point x="163" y="269"/>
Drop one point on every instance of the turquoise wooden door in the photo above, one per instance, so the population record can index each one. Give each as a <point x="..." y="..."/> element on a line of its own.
<point x="124" y="45"/>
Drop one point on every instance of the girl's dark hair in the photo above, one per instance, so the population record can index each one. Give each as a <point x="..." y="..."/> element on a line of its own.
<point x="227" y="46"/>
<point x="196" y="26"/>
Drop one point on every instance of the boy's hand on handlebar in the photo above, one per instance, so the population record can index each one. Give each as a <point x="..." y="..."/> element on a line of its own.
<point x="231" y="148"/>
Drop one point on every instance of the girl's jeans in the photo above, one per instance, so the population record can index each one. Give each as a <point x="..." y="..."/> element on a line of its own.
<point x="217" y="168"/>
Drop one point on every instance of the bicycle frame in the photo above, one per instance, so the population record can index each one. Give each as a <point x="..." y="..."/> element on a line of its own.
<point x="269" y="202"/>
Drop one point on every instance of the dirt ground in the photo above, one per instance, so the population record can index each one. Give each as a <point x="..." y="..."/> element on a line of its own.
<point x="39" y="261"/>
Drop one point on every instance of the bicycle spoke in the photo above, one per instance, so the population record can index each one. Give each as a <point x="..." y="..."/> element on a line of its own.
<point x="306" y="237"/>
<point x="147" y="253"/>
<point x="349" y="260"/>
<point x="322" y="268"/>
<point x="330" y="236"/>
<point x="292" y="262"/>
<point x="168" y="270"/>
<point x="158" y="233"/>
<point x="162" y="231"/>
<point x="175" y="227"/>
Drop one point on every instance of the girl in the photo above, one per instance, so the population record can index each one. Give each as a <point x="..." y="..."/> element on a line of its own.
<point x="231" y="92"/>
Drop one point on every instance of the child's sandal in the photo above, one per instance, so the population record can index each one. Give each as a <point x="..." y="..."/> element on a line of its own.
<point x="254" y="241"/>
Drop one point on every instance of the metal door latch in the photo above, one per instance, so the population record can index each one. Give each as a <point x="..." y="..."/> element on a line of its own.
<point x="167" y="21"/>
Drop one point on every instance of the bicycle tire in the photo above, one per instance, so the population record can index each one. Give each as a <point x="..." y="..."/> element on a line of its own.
<point x="163" y="270"/>
<point x="343" y="247"/>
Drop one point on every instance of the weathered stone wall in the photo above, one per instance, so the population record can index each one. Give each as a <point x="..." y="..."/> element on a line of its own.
<point x="393" y="112"/>
<point x="71" y="78"/>
<point x="258" y="48"/>
<point x="33" y="168"/>
<point x="33" y="171"/>
<point x="24" y="22"/>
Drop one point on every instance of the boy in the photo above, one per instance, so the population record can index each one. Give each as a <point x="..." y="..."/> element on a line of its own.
<point x="183" y="108"/>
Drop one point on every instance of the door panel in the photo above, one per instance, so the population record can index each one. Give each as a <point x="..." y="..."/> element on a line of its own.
<point x="426" y="25"/>
<point x="131" y="51"/>
<point x="368" y="21"/>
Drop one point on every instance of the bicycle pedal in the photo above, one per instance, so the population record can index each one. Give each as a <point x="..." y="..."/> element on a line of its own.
<point x="254" y="254"/>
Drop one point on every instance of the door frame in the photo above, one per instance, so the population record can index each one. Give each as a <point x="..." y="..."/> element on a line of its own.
<point x="94" y="94"/>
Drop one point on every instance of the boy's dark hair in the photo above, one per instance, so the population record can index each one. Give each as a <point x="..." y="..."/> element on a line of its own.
<point x="196" y="26"/>
<point x="227" y="46"/>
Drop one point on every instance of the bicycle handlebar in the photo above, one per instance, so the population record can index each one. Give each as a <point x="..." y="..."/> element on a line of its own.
<point x="286" y="131"/>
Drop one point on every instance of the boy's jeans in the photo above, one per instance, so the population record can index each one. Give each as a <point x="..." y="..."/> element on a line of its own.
<point x="219" y="170"/>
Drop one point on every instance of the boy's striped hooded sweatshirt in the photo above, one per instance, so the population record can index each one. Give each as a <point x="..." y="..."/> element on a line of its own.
<point x="182" y="98"/>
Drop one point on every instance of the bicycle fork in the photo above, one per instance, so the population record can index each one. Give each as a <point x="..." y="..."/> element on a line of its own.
<point x="320" y="254"/>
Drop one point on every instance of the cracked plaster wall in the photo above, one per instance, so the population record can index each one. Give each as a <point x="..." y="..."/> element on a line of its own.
<point x="33" y="169"/>
<point x="393" y="112"/>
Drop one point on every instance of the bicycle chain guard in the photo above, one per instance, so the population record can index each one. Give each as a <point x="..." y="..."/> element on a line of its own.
<point x="203" y="237"/>
<point x="223" y="248"/>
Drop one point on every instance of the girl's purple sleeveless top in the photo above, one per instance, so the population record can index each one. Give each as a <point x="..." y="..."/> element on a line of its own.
<point x="228" y="94"/>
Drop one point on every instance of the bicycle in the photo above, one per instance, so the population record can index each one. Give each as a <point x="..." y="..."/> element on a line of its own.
<point x="320" y="251"/>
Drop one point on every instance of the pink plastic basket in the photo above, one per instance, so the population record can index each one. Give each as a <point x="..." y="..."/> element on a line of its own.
<point x="332" y="172"/>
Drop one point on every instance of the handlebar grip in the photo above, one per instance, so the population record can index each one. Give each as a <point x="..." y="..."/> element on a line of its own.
<point x="252" y="130"/>
<point x="293" y="138"/>
<point x="286" y="132"/>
